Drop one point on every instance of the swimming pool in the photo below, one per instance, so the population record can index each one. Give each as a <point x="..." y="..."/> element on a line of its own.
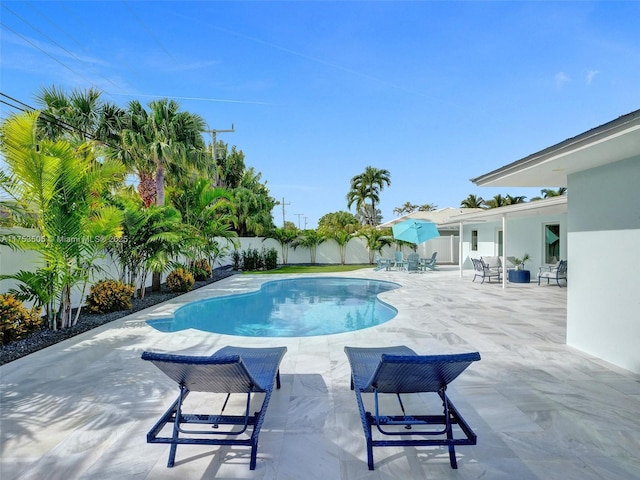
<point x="296" y="307"/>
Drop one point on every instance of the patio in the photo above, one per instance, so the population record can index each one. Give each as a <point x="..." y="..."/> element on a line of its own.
<point x="81" y="409"/>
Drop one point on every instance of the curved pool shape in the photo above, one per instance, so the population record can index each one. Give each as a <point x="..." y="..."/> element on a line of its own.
<point x="297" y="307"/>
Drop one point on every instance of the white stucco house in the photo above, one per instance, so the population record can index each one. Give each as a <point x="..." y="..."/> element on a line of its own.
<point x="601" y="170"/>
<point x="537" y="228"/>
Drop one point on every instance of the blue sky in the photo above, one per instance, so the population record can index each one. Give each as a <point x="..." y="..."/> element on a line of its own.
<point x="435" y="92"/>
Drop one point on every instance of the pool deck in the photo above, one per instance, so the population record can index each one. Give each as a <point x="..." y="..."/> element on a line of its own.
<point x="542" y="410"/>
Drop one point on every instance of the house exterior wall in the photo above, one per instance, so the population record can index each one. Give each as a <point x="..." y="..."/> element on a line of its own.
<point x="524" y="235"/>
<point x="603" y="298"/>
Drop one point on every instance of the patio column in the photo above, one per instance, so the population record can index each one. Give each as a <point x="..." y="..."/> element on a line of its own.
<point x="460" y="260"/>
<point x="504" y="250"/>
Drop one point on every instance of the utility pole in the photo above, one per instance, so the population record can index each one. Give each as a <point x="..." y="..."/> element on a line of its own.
<point x="299" y="215"/>
<point x="213" y="133"/>
<point x="283" y="204"/>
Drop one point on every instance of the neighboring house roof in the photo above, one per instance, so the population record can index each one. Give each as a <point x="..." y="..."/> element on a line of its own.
<point x="614" y="141"/>
<point x="549" y="206"/>
<point x="436" y="216"/>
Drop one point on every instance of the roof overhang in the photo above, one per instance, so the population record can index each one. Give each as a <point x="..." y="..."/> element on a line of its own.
<point x="608" y="143"/>
<point x="550" y="206"/>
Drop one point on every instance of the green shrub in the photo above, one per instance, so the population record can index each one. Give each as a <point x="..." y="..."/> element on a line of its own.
<point x="16" y="321"/>
<point x="251" y="260"/>
<point x="200" y="269"/>
<point x="180" y="280"/>
<point x="270" y="258"/>
<point x="110" y="296"/>
<point x="235" y="257"/>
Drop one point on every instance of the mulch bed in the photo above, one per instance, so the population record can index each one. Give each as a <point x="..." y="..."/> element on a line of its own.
<point x="87" y="321"/>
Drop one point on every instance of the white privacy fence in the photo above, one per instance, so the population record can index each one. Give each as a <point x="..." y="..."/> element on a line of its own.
<point x="327" y="252"/>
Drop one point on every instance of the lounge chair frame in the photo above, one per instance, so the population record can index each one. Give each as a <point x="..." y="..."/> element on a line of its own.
<point x="230" y="370"/>
<point x="397" y="370"/>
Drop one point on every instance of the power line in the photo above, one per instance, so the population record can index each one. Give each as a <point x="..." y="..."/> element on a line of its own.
<point x="23" y="107"/>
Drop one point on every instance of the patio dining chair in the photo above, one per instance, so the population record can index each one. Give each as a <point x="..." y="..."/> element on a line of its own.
<point x="555" y="272"/>
<point x="480" y="269"/>
<point x="399" y="370"/>
<point x="230" y="370"/>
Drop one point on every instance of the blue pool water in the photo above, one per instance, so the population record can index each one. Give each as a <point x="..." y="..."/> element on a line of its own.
<point x="297" y="307"/>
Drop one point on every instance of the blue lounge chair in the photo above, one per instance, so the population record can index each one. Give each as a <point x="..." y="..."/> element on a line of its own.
<point x="229" y="370"/>
<point x="399" y="370"/>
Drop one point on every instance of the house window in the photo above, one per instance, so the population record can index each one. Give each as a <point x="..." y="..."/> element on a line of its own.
<point x="500" y="243"/>
<point x="551" y="243"/>
<point x="474" y="240"/>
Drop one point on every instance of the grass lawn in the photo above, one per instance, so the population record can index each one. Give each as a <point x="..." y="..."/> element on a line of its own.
<point x="312" y="269"/>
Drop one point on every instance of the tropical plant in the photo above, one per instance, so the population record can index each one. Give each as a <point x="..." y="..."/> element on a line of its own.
<point x="163" y="141"/>
<point x="408" y="207"/>
<point x="473" y="201"/>
<point x="342" y="238"/>
<point x="15" y="320"/>
<point x="180" y="280"/>
<point x="367" y="216"/>
<point x="366" y="187"/>
<point x="110" y="296"/>
<point x="496" y="202"/>
<point x="64" y="188"/>
<point x="152" y="238"/>
<point x="549" y="192"/>
<point x="309" y="239"/>
<point x="376" y="240"/>
<point x="253" y="206"/>
<point x="207" y="210"/>
<point x="511" y="200"/>
<point x="427" y="207"/>
<point x="338" y="220"/>
<point x="78" y="116"/>
<point x="200" y="269"/>
<point x="285" y="237"/>
<point x="519" y="262"/>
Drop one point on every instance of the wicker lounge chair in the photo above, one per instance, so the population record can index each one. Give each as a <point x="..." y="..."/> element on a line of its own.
<point x="229" y="370"/>
<point x="399" y="370"/>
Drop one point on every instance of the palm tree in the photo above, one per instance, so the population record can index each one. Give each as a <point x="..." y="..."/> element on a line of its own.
<point x="514" y="200"/>
<point x="473" y="201"/>
<point x="366" y="215"/>
<point x="164" y="142"/>
<point x="548" y="192"/>
<point x="64" y="188"/>
<point x="376" y="240"/>
<point x="367" y="186"/>
<point x="205" y="209"/>
<point x="309" y="239"/>
<point x="408" y="207"/>
<point x="427" y="207"/>
<point x="285" y="237"/>
<point x="497" y="201"/>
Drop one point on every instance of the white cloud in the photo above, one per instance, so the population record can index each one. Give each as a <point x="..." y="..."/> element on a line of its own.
<point x="561" y="78"/>
<point x="591" y="74"/>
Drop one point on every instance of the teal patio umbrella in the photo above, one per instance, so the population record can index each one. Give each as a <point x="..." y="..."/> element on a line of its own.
<point x="415" y="231"/>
